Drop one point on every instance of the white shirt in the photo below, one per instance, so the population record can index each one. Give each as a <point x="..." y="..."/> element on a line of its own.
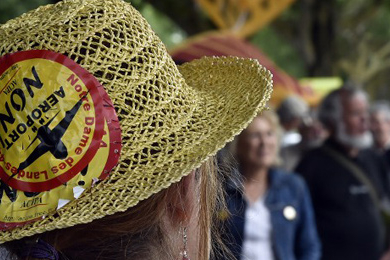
<point x="257" y="232"/>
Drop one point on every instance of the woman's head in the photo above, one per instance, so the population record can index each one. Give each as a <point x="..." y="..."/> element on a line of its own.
<point x="258" y="145"/>
<point x="151" y="230"/>
<point x="106" y="120"/>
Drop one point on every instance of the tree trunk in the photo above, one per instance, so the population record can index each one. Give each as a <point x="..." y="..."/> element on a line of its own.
<point x="317" y="36"/>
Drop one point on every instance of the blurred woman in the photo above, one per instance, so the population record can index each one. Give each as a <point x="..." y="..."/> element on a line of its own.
<point x="272" y="218"/>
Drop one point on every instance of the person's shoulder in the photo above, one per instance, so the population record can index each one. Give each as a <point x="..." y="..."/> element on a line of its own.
<point x="312" y="158"/>
<point x="373" y="159"/>
<point x="387" y="154"/>
<point x="289" y="178"/>
<point x="317" y="152"/>
<point x="370" y="153"/>
<point x="292" y="184"/>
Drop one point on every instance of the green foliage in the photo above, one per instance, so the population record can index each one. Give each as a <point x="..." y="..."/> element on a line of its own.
<point x="12" y="8"/>
<point x="378" y="27"/>
<point x="280" y="51"/>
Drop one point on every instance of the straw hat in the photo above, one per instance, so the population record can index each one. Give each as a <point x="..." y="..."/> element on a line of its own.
<point x="95" y="116"/>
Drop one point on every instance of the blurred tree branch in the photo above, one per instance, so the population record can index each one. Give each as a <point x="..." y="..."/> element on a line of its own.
<point x="367" y="64"/>
<point x="341" y="37"/>
<point x="185" y="13"/>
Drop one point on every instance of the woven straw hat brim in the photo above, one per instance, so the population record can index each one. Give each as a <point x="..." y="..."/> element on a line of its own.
<point x="231" y="94"/>
<point x="170" y="125"/>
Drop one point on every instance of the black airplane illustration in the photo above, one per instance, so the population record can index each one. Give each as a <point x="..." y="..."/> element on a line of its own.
<point x="51" y="139"/>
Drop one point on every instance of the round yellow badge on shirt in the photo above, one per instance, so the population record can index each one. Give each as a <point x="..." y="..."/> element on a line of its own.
<point x="289" y="213"/>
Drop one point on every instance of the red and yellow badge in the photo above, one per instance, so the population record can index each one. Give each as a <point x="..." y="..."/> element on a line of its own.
<point x="59" y="133"/>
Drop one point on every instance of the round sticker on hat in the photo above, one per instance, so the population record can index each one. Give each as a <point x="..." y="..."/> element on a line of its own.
<point x="59" y="134"/>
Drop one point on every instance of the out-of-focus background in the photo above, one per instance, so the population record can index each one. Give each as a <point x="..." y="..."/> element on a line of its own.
<point x="311" y="46"/>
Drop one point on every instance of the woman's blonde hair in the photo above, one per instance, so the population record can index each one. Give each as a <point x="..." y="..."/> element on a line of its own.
<point x="138" y="233"/>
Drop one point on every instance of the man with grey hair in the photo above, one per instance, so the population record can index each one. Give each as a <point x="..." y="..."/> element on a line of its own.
<point x="347" y="182"/>
<point x="380" y="127"/>
<point x="344" y="112"/>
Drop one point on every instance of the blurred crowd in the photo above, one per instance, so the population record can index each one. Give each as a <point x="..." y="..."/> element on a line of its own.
<point x="311" y="182"/>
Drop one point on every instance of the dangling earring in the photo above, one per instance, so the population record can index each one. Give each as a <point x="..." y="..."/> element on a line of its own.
<point x="184" y="251"/>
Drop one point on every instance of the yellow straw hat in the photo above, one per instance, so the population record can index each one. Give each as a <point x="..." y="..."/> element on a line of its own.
<point x="95" y="116"/>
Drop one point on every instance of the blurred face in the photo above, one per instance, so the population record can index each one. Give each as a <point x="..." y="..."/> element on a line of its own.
<point x="352" y="130"/>
<point x="257" y="145"/>
<point x="380" y="128"/>
<point x="355" y="115"/>
<point x="313" y="133"/>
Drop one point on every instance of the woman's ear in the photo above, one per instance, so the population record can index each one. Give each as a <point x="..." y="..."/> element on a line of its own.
<point x="184" y="200"/>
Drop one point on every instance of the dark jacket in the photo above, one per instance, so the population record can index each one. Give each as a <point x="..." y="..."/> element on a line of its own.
<point x="387" y="157"/>
<point x="348" y="221"/>
<point x="291" y="239"/>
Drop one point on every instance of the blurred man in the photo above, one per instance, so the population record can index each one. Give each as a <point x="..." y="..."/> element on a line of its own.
<point x="292" y="112"/>
<point x="312" y="135"/>
<point x="380" y="128"/>
<point x="346" y="181"/>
